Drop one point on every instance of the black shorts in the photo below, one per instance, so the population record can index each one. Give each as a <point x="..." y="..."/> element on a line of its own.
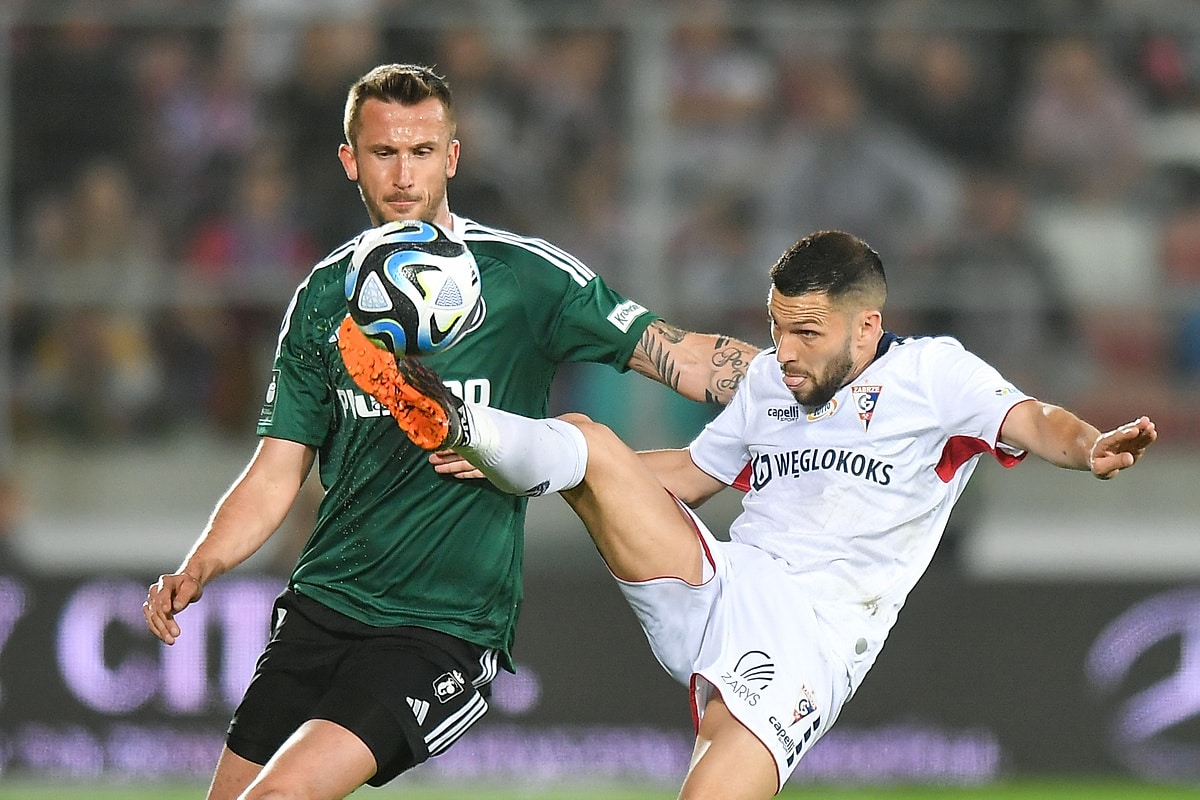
<point x="407" y="692"/>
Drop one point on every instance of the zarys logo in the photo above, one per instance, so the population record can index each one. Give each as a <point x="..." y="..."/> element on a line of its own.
<point x="1152" y="727"/>
<point x="752" y="673"/>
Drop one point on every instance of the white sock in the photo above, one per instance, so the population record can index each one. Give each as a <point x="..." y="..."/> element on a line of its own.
<point x="523" y="456"/>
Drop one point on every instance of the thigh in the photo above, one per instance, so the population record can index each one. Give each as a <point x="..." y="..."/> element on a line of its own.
<point x="675" y="614"/>
<point x="290" y="679"/>
<point x="765" y="654"/>
<point x="729" y="761"/>
<point x="636" y="524"/>
<point x="409" y="698"/>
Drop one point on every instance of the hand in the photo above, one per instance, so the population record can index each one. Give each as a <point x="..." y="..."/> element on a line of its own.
<point x="1121" y="447"/>
<point x="448" y="462"/>
<point x="170" y="595"/>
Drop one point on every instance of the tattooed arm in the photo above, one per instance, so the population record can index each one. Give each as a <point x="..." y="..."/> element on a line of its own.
<point x="700" y="366"/>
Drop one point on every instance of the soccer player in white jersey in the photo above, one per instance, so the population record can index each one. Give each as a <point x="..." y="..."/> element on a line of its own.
<point x="851" y="445"/>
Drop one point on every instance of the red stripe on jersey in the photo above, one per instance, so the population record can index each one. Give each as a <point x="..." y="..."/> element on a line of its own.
<point x="961" y="449"/>
<point x="694" y="704"/>
<point x="696" y="530"/>
<point x="742" y="481"/>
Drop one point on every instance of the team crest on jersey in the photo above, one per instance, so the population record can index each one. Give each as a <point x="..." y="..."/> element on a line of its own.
<point x="865" y="399"/>
<point x="805" y="706"/>
<point x="825" y="411"/>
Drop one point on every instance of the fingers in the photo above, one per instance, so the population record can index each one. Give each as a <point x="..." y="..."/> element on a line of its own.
<point x="447" y="462"/>
<point x="170" y="595"/>
<point x="1122" y="447"/>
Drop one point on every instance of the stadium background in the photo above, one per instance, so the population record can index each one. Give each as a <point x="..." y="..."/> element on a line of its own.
<point x="1030" y="172"/>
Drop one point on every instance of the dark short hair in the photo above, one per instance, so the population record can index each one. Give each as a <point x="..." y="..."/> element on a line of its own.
<point x="834" y="263"/>
<point x="406" y="84"/>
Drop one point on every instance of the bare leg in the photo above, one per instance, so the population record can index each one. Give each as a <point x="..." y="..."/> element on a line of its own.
<point x="232" y="776"/>
<point x="728" y="761"/>
<point x="637" y="525"/>
<point x="322" y="761"/>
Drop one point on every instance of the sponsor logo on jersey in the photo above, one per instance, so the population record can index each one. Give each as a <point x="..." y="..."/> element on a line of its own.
<point x="1005" y="390"/>
<point x="268" y="410"/>
<point x="865" y="398"/>
<point x="623" y="315"/>
<point x="789" y="414"/>
<point x="360" y="405"/>
<point x="752" y="673"/>
<point x="794" y="741"/>
<point x="449" y="685"/>
<point x="824" y="412"/>
<point x="538" y="490"/>
<point x="765" y="467"/>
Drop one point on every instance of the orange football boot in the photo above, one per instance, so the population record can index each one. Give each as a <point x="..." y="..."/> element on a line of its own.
<point x="422" y="406"/>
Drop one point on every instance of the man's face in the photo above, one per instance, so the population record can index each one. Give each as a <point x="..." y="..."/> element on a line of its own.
<point x="401" y="159"/>
<point x="820" y="348"/>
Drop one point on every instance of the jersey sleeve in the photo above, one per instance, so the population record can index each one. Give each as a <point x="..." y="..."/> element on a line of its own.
<point x="720" y="448"/>
<point x="972" y="397"/>
<point x="297" y="406"/>
<point x="589" y="321"/>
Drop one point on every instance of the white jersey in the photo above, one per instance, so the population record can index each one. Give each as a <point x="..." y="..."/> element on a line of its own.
<point x="853" y="497"/>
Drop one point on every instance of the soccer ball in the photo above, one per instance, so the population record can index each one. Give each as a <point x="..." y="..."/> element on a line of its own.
<point x="411" y="288"/>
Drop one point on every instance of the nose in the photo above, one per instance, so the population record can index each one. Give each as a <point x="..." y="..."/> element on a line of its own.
<point x="402" y="174"/>
<point x="784" y="352"/>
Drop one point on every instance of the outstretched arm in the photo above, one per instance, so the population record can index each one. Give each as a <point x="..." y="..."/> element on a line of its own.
<point x="1063" y="439"/>
<point x="700" y="366"/>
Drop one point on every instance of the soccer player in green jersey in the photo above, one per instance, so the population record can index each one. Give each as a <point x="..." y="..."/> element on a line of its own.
<point x="404" y="599"/>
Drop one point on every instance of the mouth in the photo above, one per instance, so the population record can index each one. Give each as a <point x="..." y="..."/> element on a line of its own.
<point x="793" y="381"/>
<point x="404" y="203"/>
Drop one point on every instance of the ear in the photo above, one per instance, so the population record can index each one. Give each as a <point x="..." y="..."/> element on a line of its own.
<point x="870" y="323"/>
<point x="349" y="161"/>
<point x="452" y="158"/>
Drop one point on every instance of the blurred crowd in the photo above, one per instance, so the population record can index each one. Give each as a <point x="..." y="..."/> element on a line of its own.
<point x="1032" y="180"/>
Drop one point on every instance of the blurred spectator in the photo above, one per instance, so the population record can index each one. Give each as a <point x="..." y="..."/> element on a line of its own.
<point x="1180" y="246"/>
<point x="92" y="369"/>
<point x="953" y="93"/>
<point x="72" y="100"/>
<point x="494" y="177"/>
<point x="307" y="111"/>
<point x="572" y="118"/>
<point x="1079" y="126"/>
<point x="12" y="512"/>
<point x="247" y="260"/>
<point x="993" y="287"/>
<point x="722" y="85"/>
<point x="200" y="118"/>
<point x="713" y="262"/>
<point x="837" y="164"/>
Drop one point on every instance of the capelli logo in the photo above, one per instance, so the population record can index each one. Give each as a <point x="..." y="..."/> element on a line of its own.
<point x="789" y="414"/>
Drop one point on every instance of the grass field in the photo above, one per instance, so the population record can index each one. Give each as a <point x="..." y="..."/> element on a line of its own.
<point x="1025" y="790"/>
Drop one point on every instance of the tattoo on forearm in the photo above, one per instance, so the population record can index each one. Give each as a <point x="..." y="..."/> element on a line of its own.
<point x="730" y="361"/>
<point x="655" y="342"/>
<point x="726" y="366"/>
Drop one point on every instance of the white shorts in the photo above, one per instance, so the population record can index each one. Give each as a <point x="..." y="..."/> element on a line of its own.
<point x="748" y="632"/>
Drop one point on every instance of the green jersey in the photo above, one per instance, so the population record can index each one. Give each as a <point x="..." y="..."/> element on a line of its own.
<point x="395" y="543"/>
